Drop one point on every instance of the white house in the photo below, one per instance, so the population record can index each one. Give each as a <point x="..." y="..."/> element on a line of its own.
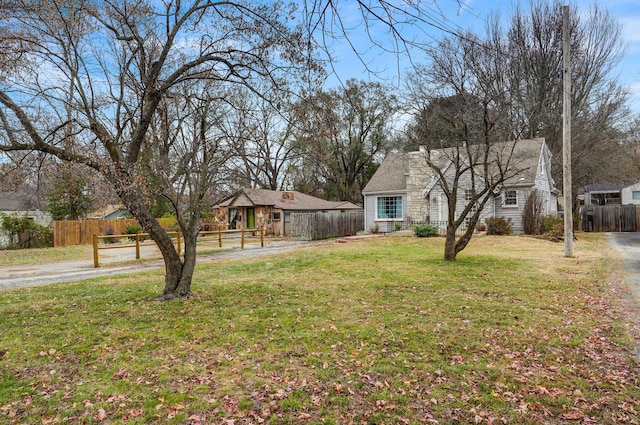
<point x="405" y="189"/>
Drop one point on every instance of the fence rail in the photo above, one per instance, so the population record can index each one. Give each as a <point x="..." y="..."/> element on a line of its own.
<point x="316" y="226"/>
<point x="442" y="227"/>
<point x="138" y="238"/>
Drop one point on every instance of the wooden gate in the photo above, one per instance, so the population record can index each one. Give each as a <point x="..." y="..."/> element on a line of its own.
<point x="610" y="218"/>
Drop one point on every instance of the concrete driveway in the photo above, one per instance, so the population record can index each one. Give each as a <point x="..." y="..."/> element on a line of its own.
<point x="628" y="245"/>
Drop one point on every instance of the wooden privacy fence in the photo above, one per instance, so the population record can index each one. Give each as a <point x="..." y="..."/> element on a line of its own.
<point x="80" y="232"/>
<point x="610" y="218"/>
<point x="315" y="226"/>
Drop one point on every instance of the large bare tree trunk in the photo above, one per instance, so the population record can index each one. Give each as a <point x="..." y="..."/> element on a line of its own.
<point x="183" y="287"/>
<point x="452" y="246"/>
<point x="178" y="274"/>
<point x="450" y="243"/>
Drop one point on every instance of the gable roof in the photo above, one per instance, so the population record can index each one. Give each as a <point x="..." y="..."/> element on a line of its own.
<point x="527" y="154"/>
<point x="604" y="187"/>
<point x="107" y="211"/>
<point x="391" y="176"/>
<point x="290" y="200"/>
<point x="525" y="157"/>
<point x="20" y="201"/>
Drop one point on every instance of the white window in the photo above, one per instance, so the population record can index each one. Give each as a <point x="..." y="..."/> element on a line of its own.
<point x="468" y="194"/>
<point x="635" y="194"/>
<point x="389" y="208"/>
<point x="510" y="198"/>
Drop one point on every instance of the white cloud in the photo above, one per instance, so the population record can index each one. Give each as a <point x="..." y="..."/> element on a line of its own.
<point x="631" y="25"/>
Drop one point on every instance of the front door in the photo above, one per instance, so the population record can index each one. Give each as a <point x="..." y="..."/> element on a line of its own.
<point x="251" y="218"/>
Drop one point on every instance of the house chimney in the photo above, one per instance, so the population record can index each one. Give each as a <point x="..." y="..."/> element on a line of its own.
<point x="287" y="196"/>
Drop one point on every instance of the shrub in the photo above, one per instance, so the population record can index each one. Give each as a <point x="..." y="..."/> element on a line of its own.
<point x="24" y="232"/>
<point x="132" y="229"/>
<point x="498" y="226"/>
<point x="425" y="230"/>
<point x="374" y="228"/>
<point x="109" y="231"/>
<point x="532" y="214"/>
<point x="552" y="227"/>
<point x="551" y="223"/>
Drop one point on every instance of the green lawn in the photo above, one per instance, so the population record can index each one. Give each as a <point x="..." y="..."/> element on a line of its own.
<point x="377" y="331"/>
<point x="45" y="255"/>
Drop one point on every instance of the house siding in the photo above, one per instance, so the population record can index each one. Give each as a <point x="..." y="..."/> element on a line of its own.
<point x="370" y="208"/>
<point x="369" y="211"/>
<point x="439" y="206"/>
<point x="543" y="184"/>
<point x="627" y="195"/>
<point x="514" y="213"/>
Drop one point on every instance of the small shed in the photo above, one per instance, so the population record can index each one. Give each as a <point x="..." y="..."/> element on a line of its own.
<point x="603" y="194"/>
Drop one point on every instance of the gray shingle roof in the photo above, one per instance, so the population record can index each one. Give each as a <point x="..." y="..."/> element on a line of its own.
<point x="526" y="154"/>
<point x="20" y="201"/>
<point x="605" y="187"/>
<point x="300" y="201"/>
<point x="390" y="176"/>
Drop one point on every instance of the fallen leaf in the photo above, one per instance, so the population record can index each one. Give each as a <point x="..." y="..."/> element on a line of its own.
<point x="574" y="415"/>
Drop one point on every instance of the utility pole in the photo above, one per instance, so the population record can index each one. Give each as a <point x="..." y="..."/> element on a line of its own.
<point x="566" y="134"/>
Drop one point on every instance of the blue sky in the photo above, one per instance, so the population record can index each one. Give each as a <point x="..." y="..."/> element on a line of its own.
<point x="471" y="14"/>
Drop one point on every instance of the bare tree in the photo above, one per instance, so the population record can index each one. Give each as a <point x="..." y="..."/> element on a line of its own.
<point x="508" y="85"/>
<point x="345" y="132"/>
<point x="123" y="68"/>
<point x="531" y="58"/>
<point x="458" y="122"/>
<point x="630" y="161"/>
<point x="264" y="149"/>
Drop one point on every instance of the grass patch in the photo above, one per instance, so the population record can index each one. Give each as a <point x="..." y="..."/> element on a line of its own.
<point x="374" y="331"/>
<point x="12" y="257"/>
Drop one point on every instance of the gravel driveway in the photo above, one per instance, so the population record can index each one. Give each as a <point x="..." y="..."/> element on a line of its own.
<point x="118" y="261"/>
<point x="628" y="245"/>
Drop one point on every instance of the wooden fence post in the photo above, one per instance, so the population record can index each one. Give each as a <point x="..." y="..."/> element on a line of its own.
<point x="95" y="250"/>
<point x="219" y="238"/>
<point x="242" y="239"/>
<point x="137" y="246"/>
<point x="262" y="237"/>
